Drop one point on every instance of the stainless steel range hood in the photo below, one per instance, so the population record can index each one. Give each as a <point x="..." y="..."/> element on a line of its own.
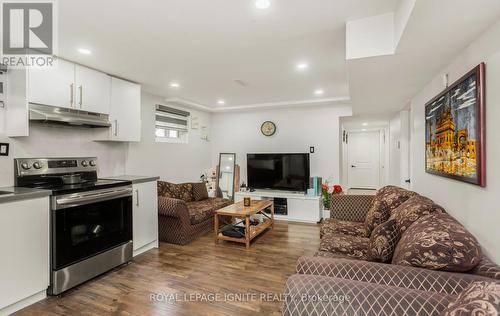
<point x="50" y="114"/>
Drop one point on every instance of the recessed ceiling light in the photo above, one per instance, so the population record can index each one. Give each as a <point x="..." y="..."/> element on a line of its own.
<point x="365" y="124"/>
<point x="319" y="92"/>
<point x="364" y="130"/>
<point x="262" y="4"/>
<point x="84" y="51"/>
<point x="174" y="85"/>
<point x="221" y="102"/>
<point x="302" y="66"/>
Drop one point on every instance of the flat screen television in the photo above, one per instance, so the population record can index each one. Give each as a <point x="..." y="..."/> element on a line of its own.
<point x="289" y="172"/>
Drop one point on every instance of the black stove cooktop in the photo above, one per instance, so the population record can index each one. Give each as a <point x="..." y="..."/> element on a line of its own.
<point x="90" y="185"/>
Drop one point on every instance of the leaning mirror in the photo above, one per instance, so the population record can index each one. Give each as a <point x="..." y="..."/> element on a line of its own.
<point x="226" y="175"/>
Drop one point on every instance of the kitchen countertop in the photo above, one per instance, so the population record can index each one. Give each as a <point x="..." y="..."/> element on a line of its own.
<point x="133" y="179"/>
<point x="20" y="194"/>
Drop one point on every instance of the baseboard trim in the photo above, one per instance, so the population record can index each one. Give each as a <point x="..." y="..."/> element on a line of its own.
<point x="24" y="303"/>
<point x="146" y="247"/>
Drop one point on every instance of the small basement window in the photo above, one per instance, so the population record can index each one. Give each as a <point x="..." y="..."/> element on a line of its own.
<point x="171" y="125"/>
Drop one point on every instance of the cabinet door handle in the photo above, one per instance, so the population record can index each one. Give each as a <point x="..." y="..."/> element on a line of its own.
<point x="116" y="127"/>
<point x="81" y="95"/>
<point x="72" y="94"/>
<point x="137" y="197"/>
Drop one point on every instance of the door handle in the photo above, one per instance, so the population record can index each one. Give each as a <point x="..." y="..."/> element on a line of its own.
<point x="72" y="96"/>
<point x="408" y="180"/>
<point x="116" y="128"/>
<point x="353" y="166"/>
<point x="81" y="95"/>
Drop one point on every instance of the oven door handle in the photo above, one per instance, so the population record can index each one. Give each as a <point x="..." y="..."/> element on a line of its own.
<point x="92" y="198"/>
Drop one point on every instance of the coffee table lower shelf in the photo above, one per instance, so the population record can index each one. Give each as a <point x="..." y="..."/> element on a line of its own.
<point x="254" y="232"/>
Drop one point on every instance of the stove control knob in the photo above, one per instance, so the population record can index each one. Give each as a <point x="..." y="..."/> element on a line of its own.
<point x="25" y="166"/>
<point x="92" y="163"/>
<point x="37" y="165"/>
<point x="85" y="163"/>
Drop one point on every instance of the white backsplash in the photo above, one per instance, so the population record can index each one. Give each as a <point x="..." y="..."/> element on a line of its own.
<point x="62" y="141"/>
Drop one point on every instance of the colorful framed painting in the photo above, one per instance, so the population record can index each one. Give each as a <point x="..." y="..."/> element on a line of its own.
<point x="455" y="130"/>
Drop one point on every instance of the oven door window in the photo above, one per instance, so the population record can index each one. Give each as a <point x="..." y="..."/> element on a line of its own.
<point x="83" y="231"/>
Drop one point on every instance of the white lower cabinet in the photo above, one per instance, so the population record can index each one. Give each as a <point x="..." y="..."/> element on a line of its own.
<point x="145" y="217"/>
<point x="24" y="240"/>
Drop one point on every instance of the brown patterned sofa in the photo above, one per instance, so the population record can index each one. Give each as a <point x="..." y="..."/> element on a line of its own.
<point x="185" y="211"/>
<point x="395" y="253"/>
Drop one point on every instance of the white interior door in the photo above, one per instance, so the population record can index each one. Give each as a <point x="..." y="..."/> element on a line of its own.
<point x="363" y="155"/>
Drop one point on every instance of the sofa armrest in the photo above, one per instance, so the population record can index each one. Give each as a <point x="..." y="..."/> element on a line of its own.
<point x="388" y="274"/>
<point x="173" y="208"/>
<point x="352" y="208"/>
<point x="318" y="295"/>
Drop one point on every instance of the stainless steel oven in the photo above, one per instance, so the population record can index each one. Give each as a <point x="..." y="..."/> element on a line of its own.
<point x="91" y="218"/>
<point x="91" y="233"/>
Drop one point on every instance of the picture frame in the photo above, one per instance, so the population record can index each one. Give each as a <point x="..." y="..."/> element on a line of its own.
<point x="455" y="130"/>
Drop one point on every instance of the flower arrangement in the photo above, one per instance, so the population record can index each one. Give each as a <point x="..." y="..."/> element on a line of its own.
<point x="325" y="189"/>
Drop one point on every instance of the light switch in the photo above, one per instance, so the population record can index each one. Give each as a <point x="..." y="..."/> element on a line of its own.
<point x="4" y="149"/>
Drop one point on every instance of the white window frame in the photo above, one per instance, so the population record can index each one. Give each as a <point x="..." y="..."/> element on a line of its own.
<point x="182" y="129"/>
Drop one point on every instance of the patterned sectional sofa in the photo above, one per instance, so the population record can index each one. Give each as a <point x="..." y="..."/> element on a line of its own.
<point x="395" y="253"/>
<point x="185" y="211"/>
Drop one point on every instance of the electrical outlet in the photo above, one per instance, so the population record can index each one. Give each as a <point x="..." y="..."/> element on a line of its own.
<point x="311" y="149"/>
<point x="4" y="149"/>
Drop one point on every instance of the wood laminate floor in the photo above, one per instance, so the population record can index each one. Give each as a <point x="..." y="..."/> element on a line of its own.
<point x="198" y="279"/>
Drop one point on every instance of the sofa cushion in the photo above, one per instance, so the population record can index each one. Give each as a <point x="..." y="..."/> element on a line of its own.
<point x="412" y="209"/>
<point x="386" y="199"/>
<point x="183" y="191"/>
<point x="438" y="242"/>
<point x="199" y="211"/>
<point x="345" y="245"/>
<point x="479" y="298"/>
<point x="218" y="203"/>
<point x="200" y="191"/>
<point x="383" y="241"/>
<point x="336" y="226"/>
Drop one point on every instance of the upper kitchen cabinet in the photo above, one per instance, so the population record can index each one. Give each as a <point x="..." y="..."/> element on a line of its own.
<point x="125" y="111"/>
<point x="52" y="86"/>
<point x="70" y="86"/>
<point x="92" y="90"/>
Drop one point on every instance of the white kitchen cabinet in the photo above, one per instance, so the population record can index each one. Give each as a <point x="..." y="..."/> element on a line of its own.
<point x="92" y="90"/>
<point x="52" y="86"/>
<point x="145" y="216"/>
<point x="24" y="240"/>
<point x="125" y="111"/>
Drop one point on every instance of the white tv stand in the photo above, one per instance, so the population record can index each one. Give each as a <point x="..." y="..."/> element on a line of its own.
<point x="301" y="207"/>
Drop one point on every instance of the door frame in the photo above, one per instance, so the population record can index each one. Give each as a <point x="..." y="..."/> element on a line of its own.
<point x="381" y="161"/>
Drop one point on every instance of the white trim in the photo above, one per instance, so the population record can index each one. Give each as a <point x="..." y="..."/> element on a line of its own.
<point x="30" y="300"/>
<point x="342" y="100"/>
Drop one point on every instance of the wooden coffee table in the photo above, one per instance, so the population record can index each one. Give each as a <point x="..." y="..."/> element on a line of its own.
<point x="239" y="211"/>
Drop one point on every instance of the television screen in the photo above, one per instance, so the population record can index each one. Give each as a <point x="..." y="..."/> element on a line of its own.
<point x="288" y="172"/>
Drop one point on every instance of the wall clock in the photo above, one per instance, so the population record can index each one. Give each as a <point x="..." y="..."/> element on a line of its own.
<point x="268" y="128"/>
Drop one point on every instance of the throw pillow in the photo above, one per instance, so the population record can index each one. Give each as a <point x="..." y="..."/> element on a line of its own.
<point x="438" y="242"/>
<point x="165" y="189"/>
<point x="413" y="209"/>
<point x="383" y="242"/>
<point x="200" y="191"/>
<point x="478" y="299"/>
<point x="386" y="199"/>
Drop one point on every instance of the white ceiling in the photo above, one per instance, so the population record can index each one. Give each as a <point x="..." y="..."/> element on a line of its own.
<point x="205" y="45"/>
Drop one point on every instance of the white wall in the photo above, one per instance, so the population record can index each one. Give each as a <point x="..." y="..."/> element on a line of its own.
<point x="395" y="150"/>
<point x="59" y="141"/>
<point x="172" y="162"/>
<point x="477" y="208"/>
<point x="297" y="130"/>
